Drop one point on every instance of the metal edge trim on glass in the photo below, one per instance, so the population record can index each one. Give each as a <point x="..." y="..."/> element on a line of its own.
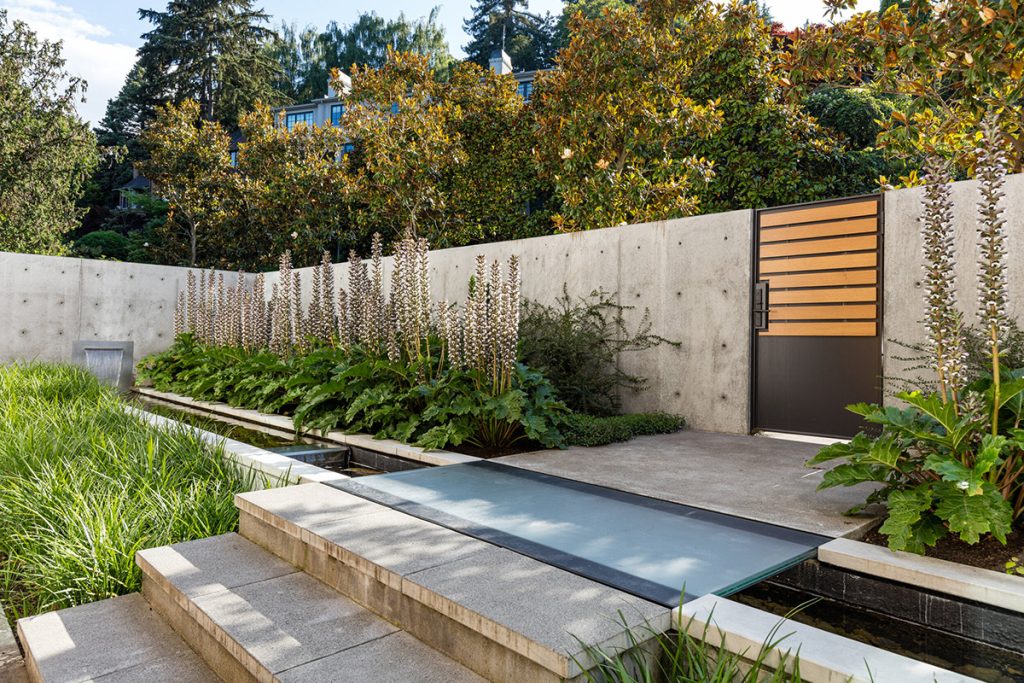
<point x="580" y="551"/>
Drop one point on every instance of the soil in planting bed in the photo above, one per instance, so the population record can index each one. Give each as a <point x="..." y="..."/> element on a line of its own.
<point x="987" y="553"/>
<point x="487" y="453"/>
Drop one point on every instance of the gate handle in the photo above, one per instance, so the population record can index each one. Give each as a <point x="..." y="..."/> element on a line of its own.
<point x="760" y="311"/>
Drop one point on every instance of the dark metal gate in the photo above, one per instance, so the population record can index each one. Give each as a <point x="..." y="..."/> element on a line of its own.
<point x="817" y="315"/>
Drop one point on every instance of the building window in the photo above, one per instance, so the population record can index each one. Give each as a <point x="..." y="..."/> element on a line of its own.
<point x="294" y="119"/>
<point x="348" y="148"/>
<point x="525" y="90"/>
<point x="234" y="157"/>
<point x="394" y="107"/>
<point x="336" y="111"/>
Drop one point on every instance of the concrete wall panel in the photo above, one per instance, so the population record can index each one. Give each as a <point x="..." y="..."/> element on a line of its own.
<point x="904" y="264"/>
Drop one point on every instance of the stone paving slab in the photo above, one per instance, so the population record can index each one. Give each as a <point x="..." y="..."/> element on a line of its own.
<point x="120" y="639"/>
<point x="529" y="608"/>
<point x="210" y="565"/>
<point x="391" y="540"/>
<point x="537" y="610"/>
<point x="292" y="508"/>
<point x="12" y="668"/>
<point x="395" y="657"/>
<point x="754" y="477"/>
<point x="287" y="621"/>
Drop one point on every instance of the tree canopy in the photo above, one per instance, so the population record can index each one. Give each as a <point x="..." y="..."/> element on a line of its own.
<point x="46" y="151"/>
<point x="529" y="39"/>
<point x="307" y="56"/>
<point x="210" y="51"/>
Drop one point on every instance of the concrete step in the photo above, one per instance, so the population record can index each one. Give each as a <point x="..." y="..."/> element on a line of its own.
<point x="254" y="617"/>
<point x="506" y="616"/>
<point x="111" y="641"/>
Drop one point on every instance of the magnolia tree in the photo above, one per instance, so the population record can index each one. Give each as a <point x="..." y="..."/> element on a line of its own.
<point x="955" y="61"/>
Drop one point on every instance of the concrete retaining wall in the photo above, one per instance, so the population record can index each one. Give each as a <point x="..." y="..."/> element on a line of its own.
<point x="693" y="274"/>
<point x="47" y="302"/>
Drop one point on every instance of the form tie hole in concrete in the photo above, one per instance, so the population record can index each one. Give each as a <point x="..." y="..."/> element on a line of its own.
<point x="679" y="293"/>
<point x="723" y="345"/>
<point x="677" y="393"/>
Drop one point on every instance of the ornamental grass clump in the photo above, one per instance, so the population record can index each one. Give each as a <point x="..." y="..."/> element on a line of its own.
<point x="953" y="461"/>
<point x="84" y="485"/>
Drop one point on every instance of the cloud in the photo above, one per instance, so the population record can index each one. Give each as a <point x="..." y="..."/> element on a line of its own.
<point x="88" y="49"/>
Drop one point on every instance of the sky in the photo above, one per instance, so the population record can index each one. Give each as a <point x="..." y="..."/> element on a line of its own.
<point x="101" y="36"/>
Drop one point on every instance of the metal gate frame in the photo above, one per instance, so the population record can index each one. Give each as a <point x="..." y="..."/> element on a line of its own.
<point x="754" y="252"/>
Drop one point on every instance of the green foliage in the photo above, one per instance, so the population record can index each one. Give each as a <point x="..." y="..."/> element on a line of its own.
<point x="856" y="113"/>
<point x="46" y="151"/>
<point x="84" y="485"/>
<point x="210" y="51"/>
<point x="954" y="62"/>
<point x="591" y="430"/>
<point x="447" y="161"/>
<point x="103" y="244"/>
<point x="612" y="117"/>
<point x="530" y="40"/>
<point x="576" y="344"/>
<point x="939" y="468"/>
<point x="307" y="56"/>
<point x="328" y="388"/>
<point x="691" y="654"/>
<point x="190" y="162"/>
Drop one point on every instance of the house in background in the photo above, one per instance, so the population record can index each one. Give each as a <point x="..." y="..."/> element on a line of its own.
<point x="139" y="184"/>
<point x="329" y="109"/>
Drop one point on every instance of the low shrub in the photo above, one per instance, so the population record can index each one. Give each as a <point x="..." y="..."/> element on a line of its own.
<point x="84" y="485"/>
<point x="576" y="344"/>
<point x="591" y="430"/>
<point x="427" y="403"/>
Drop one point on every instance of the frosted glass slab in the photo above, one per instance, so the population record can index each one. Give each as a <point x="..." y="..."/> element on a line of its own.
<point x="644" y="546"/>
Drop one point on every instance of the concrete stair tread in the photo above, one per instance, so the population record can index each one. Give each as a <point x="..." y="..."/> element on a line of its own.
<point x="540" y="612"/>
<point x="274" y="619"/>
<point x="120" y="639"/>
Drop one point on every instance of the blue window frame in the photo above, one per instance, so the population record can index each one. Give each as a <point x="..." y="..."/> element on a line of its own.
<point x="295" y="118"/>
<point x="336" y="111"/>
<point x="234" y="158"/>
<point x="525" y="90"/>
<point x="348" y="148"/>
<point x="394" y="107"/>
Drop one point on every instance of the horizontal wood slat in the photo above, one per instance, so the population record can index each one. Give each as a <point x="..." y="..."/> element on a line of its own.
<point x="863" y="207"/>
<point x="853" y="226"/>
<point x="831" y="246"/>
<point x="792" y="265"/>
<point x="816" y="329"/>
<point x="834" y="279"/>
<point x="841" y="312"/>
<point x="822" y="296"/>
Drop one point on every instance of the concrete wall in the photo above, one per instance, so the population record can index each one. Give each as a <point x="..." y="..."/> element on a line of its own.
<point x="48" y="302"/>
<point x="904" y="265"/>
<point x="693" y="274"/>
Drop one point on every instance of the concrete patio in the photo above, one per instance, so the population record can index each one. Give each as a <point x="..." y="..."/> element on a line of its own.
<point x="753" y="477"/>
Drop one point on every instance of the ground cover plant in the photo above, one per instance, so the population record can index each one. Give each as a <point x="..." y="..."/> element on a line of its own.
<point x="952" y="462"/>
<point x="84" y="485"/>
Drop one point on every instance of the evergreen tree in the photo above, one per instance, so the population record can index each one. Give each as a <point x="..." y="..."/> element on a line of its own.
<point x="529" y="39"/>
<point x="212" y="51"/>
